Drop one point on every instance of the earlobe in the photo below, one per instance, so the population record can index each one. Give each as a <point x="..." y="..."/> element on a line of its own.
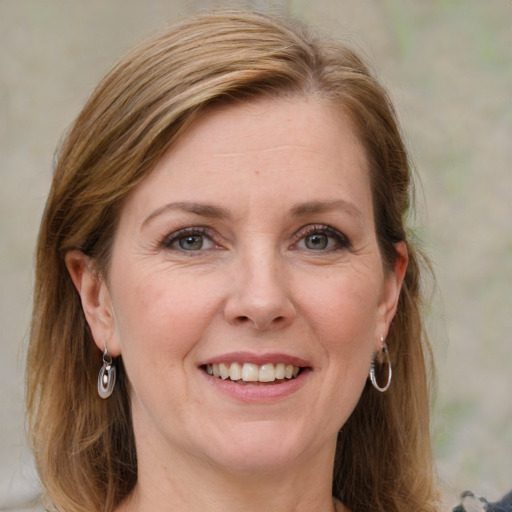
<point x="95" y="298"/>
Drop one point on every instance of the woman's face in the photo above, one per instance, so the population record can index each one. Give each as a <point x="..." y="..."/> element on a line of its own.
<point x="249" y="252"/>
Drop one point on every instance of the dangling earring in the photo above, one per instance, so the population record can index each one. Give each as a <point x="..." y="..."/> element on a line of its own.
<point x="373" y="378"/>
<point x="106" y="376"/>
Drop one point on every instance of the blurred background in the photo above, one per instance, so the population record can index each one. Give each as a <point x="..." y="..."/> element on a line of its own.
<point x="448" y="66"/>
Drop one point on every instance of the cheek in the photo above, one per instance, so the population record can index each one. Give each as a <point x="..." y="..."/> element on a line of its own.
<point x="161" y="319"/>
<point x="344" y="316"/>
<point x="346" y="307"/>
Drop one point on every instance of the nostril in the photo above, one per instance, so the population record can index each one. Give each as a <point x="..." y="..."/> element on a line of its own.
<point x="244" y="319"/>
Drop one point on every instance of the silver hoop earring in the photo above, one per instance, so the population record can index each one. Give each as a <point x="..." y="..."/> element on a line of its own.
<point x="106" y="376"/>
<point x="373" y="378"/>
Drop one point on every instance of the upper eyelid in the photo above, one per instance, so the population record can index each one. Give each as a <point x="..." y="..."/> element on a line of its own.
<point x="319" y="228"/>
<point x="191" y="230"/>
<point x="322" y="228"/>
<point x="304" y="231"/>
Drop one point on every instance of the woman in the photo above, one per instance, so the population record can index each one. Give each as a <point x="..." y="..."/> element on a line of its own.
<point x="224" y="242"/>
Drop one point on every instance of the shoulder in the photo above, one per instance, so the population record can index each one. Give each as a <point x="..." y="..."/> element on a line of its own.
<point x="470" y="502"/>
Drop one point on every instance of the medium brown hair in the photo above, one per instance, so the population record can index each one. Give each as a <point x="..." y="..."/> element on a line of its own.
<point x="84" y="446"/>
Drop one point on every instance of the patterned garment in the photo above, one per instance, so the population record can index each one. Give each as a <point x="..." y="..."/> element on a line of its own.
<point x="472" y="503"/>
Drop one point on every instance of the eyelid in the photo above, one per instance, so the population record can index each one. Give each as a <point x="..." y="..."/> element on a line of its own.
<point x="171" y="238"/>
<point x="342" y="240"/>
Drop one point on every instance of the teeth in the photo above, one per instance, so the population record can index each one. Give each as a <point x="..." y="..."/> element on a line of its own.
<point x="235" y="371"/>
<point x="224" y="371"/>
<point x="267" y="373"/>
<point x="250" y="372"/>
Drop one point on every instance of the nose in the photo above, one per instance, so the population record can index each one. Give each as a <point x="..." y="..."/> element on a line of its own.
<point x="260" y="294"/>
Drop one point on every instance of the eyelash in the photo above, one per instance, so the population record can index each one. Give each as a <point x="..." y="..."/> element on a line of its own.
<point x="342" y="242"/>
<point x="174" y="237"/>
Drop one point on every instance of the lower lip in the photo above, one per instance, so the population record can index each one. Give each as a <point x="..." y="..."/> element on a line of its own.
<point x="258" y="393"/>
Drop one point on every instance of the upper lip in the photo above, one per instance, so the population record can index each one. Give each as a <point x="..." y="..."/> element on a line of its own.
<point x="259" y="359"/>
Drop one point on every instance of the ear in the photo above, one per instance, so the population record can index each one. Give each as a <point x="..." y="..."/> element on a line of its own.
<point x="95" y="297"/>
<point x="393" y="280"/>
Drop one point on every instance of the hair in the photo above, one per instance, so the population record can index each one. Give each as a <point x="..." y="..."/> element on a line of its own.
<point x="84" y="446"/>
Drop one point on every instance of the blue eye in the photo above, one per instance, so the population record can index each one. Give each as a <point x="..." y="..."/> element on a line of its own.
<point x="191" y="242"/>
<point x="317" y="241"/>
<point x="189" y="239"/>
<point x="322" y="238"/>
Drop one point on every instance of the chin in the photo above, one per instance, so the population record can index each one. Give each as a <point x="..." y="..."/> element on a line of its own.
<point x="263" y="446"/>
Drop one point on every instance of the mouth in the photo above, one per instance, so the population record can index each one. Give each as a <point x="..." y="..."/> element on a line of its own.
<point x="253" y="374"/>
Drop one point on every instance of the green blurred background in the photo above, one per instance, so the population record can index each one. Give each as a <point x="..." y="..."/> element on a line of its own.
<point x="448" y="66"/>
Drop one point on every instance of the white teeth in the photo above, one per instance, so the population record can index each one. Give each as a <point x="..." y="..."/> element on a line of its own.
<point x="235" y="371"/>
<point x="224" y="371"/>
<point x="250" y="372"/>
<point x="267" y="373"/>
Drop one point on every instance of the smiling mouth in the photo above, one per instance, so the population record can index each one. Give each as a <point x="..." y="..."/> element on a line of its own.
<point x="250" y="373"/>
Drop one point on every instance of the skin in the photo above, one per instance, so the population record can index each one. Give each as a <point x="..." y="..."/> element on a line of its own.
<point x="278" y="194"/>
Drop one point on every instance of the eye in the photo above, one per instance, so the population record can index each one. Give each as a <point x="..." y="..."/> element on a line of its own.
<point x="189" y="239"/>
<point x="317" y="241"/>
<point x="321" y="238"/>
<point x="191" y="242"/>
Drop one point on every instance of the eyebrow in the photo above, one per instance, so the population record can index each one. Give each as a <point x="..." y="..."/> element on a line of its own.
<point x="312" y="207"/>
<point x="203" y="210"/>
<point x="298" y="210"/>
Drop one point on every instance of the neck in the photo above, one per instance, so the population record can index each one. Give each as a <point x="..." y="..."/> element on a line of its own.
<point x="202" y="487"/>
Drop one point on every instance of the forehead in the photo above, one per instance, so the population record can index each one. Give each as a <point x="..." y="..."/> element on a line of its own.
<point x="263" y="150"/>
<point x="272" y="124"/>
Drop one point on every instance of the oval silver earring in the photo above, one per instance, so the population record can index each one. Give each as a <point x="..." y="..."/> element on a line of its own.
<point x="373" y="378"/>
<point x="106" y="376"/>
